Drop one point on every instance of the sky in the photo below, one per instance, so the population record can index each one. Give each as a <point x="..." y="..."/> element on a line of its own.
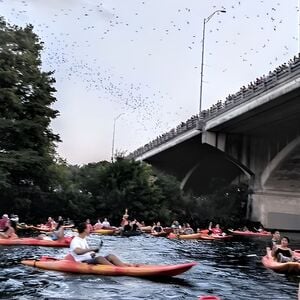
<point x="142" y="59"/>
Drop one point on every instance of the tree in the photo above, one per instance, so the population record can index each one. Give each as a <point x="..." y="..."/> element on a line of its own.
<point x="26" y="140"/>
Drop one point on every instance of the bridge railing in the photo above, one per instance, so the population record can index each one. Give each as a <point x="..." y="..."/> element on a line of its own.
<point x="261" y="85"/>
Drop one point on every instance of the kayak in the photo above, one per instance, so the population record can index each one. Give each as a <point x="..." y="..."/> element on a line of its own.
<point x="198" y="236"/>
<point x="221" y="237"/>
<point x="251" y="233"/>
<point x="66" y="265"/>
<point x="42" y="228"/>
<point x="104" y="231"/>
<point x="209" y="298"/>
<point x="287" y="267"/>
<point x="36" y="242"/>
<point x="146" y="229"/>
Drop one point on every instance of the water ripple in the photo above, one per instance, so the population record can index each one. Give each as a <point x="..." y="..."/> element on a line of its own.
<point x="224" y="269"/>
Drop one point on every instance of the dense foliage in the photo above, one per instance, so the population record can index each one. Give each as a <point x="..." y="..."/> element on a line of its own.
<point x="35" y="184"/>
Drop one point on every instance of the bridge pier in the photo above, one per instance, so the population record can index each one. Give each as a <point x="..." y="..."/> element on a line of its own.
<point x="276" y="209"/>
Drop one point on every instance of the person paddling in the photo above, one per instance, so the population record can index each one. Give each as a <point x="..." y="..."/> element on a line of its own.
<point x="81" y="251"/>
<point x="56" y="235"/>
<point x="10" y="231"/>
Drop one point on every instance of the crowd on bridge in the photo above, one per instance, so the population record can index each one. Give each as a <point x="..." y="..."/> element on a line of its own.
<point x="261" y="84"/>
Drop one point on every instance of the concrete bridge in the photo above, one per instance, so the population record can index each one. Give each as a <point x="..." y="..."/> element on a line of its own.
<point x="253" y="137"/>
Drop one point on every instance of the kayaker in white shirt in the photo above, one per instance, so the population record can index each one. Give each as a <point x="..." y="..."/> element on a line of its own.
<point x="81" y="251"/>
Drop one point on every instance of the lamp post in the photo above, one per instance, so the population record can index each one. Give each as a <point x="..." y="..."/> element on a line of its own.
<point x="206" y="20"/>
<point x="113" y="137"/>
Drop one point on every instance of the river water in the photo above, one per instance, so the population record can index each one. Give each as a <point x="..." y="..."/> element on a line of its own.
<point x="229" y="269"/>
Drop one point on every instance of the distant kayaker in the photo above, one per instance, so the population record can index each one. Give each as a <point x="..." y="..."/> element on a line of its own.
<point x="98" y="225"/>
<point x="105" y="223"/>
<point x="4" y="222"/>
<point x="176" y="227"/>
<point x="89" y="225"/>
<point x="125" y="218"/>
<point x="157" y="228"/>
<point x="51" y="224"/>
<point x="81" y="251"/>
<point x="273" y="243"/>
<point x="10" y="231"/>
<point x="57" y="234"/>
<point x="283" y="253"/>
<point x="187" y="229"/>
<point x="215" y="230"/>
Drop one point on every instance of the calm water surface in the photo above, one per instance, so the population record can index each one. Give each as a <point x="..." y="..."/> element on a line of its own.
<point x="223" y="269"/>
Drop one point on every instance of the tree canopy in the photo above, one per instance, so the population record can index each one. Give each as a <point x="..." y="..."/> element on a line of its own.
<point x="26" y="140"/>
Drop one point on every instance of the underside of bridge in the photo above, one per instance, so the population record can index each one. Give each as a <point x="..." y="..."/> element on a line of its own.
<point x="206" y="164"/>
<point x="261" y="141"/>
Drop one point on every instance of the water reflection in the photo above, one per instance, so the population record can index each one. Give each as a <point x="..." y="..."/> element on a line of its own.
<point x="225" y="269"/>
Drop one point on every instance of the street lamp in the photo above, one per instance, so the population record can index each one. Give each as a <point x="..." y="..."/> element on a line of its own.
<point x="113" y="138"/>
<point x="206" y="20"/>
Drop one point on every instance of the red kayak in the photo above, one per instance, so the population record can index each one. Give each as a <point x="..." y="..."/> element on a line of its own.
<point x="221" y="237"/>
<point x="104" y="231"/>
<point x="251" y="233"/>
<point x="36" y="242"/>
<point x="287" y="267"/>
<point x="66" y="265"/>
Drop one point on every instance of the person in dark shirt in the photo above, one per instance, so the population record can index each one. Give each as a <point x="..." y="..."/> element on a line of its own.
<point x="271" y="244"/>
<point x="283" y="253"/>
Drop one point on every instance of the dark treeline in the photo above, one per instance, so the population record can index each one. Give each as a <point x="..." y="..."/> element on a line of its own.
<point x="35" y="183"/>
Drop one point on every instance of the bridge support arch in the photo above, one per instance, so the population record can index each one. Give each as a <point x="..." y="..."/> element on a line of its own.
<point x="276" y="198"/>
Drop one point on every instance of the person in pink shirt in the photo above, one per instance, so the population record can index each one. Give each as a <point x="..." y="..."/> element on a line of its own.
<point x="215" y="230"/>
<point x="89" y="225"/>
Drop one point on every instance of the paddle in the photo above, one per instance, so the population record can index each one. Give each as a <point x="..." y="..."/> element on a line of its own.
<point x="99" y="247"/>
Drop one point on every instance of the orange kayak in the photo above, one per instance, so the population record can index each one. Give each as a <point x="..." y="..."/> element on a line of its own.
<point x="104" y="231"/>
<point x="65" y="265"/>
<point x="287" y="267"/>
<point x="198" y="236"/>
<point x="146" y="229"/>
<point x="36" y="242"/>
<point x="251" y="233"/>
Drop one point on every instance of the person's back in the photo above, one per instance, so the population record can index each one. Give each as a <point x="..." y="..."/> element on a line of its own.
<point x="59" y="232"/>
<point x="105" y="223"/>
